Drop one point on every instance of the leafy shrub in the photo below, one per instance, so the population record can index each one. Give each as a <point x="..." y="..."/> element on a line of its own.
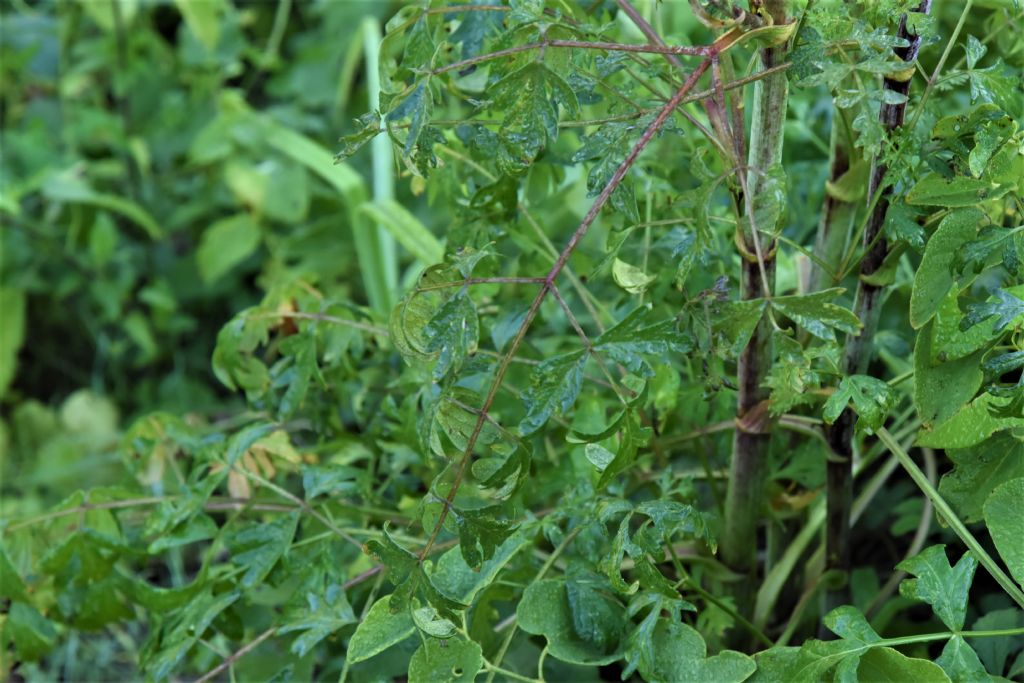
<point x="604" y="368"/>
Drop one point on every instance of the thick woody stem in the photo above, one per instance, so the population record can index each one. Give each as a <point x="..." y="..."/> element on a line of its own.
<point x="751" y="441"/>
<point x="839" y="470"/>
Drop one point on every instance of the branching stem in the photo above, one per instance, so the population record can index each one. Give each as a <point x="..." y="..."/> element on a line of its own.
<point x="549" y="281"/>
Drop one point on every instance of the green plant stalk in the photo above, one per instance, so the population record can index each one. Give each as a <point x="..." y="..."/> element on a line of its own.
<point x="836" y="215"/>
<point x="752" y="437"/>
<point x="375" y="247"/>
<point x="947" y="513"/>
<point x="856" y="355"/>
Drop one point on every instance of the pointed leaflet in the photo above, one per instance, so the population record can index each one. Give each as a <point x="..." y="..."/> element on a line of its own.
<point x="380" y="629"/>
<point x="977" y="471"/>
<point x="816" y="314"/>
<point x="633" y="436"/>
<point x="453" y="333"/>
<point x="609" y="145"/>
<point x="409" y="578"/>
<point x="942" y="387"/>
<point x="734" y="324"/>
<point x="418" y="323"/>
<point x="480" y="533"/>
<point x="596" y="616"/>
<point x="971" y="425"/>
<point x="943" y="587"/>
<point x="257" y="547"/>
<point x="887" y="665"/>
<point x="634" y="337"/>
<point x="934" y="276"/>
<point x="1004" y="516"/>
<point x="961" y="663"/>
<point x="872" y="399"/>
<point x="529" y="97"/>
<point x="328" y="611"/>
<point x="1007" y="306"/>
<point x="553" y="389"/>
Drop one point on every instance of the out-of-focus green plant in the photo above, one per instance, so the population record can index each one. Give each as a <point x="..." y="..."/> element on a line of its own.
<point x="685" y="291"/>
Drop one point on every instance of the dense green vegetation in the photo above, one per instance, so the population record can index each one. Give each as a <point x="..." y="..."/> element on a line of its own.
<point x="613" y="340"/>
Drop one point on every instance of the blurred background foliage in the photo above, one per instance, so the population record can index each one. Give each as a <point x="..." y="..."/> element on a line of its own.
<point x="167" y="167"/>
<point x="144" y="204"/>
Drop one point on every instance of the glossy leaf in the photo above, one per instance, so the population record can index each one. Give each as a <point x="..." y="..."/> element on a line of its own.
<point x="816" y="314"/>
<point x="871" y="399"/>
<point x="379" y="629"/>
<point x="943" y="587"/>
<point x="977" y="471"/>
<point x="1004" y="517"/>
<point x="934" y="276"/>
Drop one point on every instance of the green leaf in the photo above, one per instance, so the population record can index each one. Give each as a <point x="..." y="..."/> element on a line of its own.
<point x="11" y="585"/>
<point x="409" y="577"/>
<point x="735" y="323"/>
<point x="414" y="312"/>
<point x="978" y="470"/>
<point x="1004" y="516"/>
<point x="202" y="19"/>
<point x="368" y="127"/>
<point x="12" y="334"/>
<point x="901" y="226"/>
<point x="632" y="279"/>
<point x="935" y="190"/>
<point x="948" y="342"/>
<point x="934" y="276"/>
<point x="886" y="665"/>
<point x="816" y="314"/>
<point x="480" y="534"/>
<point x="942" y="388"/>
<point x="225" y="244"/>
<point x="452" y="334"/>
<point x="451" y="661"/>
<point x="198" y="528"/>
<point x="633" y="436"/>
<point x="943" y="587"/>
<point x="680" y="654"/>
<point x="529" y="98"/>
<point x="971" y="425"/>
<point x="33" y="634"/>
<point x="634" y="337"/>
<point x="995" y="651"/>
<point x="544" y="610"/>
<point x="961" y="663"/>
<point x="432" y="624"/>
<point x="872" y="399"/>
<point x="455" y="578"/>
<point x="379" y="630"/>
<point x="68" y="187"/>
<point x="406" y="229"/>
<point x="188" y="627"/>
<point x="1007" y="307"/>
<point x="596" y="616"/>
<point x="258" y="547"/>
<point x="328" y="612"/>
<point x="554" y="386"/>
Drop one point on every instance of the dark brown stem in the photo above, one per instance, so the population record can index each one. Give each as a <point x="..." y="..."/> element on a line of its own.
<point x="752" y="437"/>
<point x="549" y="281"/>
<point x="856" y="356"/>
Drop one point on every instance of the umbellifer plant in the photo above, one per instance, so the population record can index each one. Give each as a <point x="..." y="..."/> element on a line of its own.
<point x="715" y="280"/>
